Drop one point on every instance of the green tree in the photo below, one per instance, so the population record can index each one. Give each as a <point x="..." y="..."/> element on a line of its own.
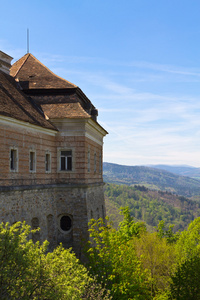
<point x="158" y="257"/>
<point x="27" y="271"/>
<point x="128" y="227"/>
<point x="188" y="244"/>
<point x="167" y="233"/>
<point x="113" y="259"/>
<point x="185" y="281"/>
<point x="131" y="262"/>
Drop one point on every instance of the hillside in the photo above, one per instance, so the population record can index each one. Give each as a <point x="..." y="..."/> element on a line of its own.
<point x="179" y="170"/>
<point x="150" y="206"/>
<point x="153" y="178"/>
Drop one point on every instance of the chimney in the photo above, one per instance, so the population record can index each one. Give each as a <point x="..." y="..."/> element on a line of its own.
<point x="5" y="62"/>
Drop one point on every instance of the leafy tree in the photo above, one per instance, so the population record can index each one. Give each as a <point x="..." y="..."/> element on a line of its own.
<point x="113" y="259"/>
<point x="188" y="244"/>
<point x="167" y="233"/>
<point x="185" y="281"/>
<point x="128" y="227"/>
<point x="94" y="290"/>
<point x="185" y="278"/>
<point x="136" y="264"/>
<point x="131" y="262"/>
<point x="158" y="257"/>
<point x="27" y="271"/>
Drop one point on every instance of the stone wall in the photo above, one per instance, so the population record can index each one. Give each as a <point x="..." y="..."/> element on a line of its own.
<point x="59" y="202"/>
<point x="45" y="206"/>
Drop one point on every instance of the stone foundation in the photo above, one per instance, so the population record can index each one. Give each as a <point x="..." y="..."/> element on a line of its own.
<point x="61" y="211"/>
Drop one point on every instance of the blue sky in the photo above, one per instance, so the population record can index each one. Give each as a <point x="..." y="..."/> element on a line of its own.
<point x="138" y="61"/>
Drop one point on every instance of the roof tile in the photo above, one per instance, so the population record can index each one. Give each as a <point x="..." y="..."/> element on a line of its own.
<point x="14" y="104"/>
<point x="32" y="74"/>
<point x="65" y="110"/>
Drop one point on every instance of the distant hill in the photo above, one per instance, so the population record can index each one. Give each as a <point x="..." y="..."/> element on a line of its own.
<point x="150" y="206"/>
<point x="153" y="178"/>
<point x="180" y="170"/>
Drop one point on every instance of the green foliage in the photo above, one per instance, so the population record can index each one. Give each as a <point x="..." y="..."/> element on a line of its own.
<point x="27" y="271"/>
<point x="154" y="206"/>
<point x="160" y="179"/>
<point x="185" y="278"/>
<point x="188" y="244"/>
<point x="185" y="281"/>
<point x="17" y="279"/>
<point x="128" y="263"/>
<point x="113" y="259"/>
<point x="94" y="290"/>
<point x="170" y="236"/>
<point x="142" y="265"/>
<point x="113" y="212"/>
<point x="128" y="227"/>
<point x="158" y="257"/>
<point x="68" y="276"/>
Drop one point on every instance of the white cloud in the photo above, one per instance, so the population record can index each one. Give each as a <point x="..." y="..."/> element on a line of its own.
<point x="146" y="124"/>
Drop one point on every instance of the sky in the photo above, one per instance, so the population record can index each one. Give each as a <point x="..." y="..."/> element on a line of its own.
<point x="138" y="61"/>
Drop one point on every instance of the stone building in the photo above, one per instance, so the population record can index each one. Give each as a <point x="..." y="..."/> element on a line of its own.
<point x="51" y="153"/>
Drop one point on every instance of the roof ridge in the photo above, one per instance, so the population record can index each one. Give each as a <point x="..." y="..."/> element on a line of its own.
<point x="28" y="54"/>
<point x="89" y="116"/>
<point x="51" y="71"/>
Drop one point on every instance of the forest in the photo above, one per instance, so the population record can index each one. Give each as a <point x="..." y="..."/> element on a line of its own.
<point x="151" y="206"/>
<point x="124" y="263"/>
<point x="152" y="178"/>
<point x="148" y="249"/>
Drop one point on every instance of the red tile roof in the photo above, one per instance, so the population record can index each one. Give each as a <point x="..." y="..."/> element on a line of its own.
<point x="65" y="110"/>
<point x="32" y="74"/>
<point x="57" y="97"/>
<point x="14" y="104"/>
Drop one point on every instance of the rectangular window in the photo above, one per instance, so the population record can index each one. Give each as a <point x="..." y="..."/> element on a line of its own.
<point x="100" y="163"/>
<point x="13" y="159"/>
<point x="95" y="162"/>
<point x="66" y="160"/>
<point x="47" y="162"/>
<point x="32" y="163"/>
<point x="88" y="160"/>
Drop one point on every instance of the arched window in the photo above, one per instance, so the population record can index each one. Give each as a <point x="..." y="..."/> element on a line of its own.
<point x="97" y="213"/>
<point x="103" y="214"/>
<point x="51" y="232"/>
<point x="35" y="225"/>
<point x="65" y="223"/>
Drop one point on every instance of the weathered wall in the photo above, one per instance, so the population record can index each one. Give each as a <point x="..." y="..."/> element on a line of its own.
<point x="43" y="199"/>
<point x="26" y="139"/>
<point x="44" y="206"/>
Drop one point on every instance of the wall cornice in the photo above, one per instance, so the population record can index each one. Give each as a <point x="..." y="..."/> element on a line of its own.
<point x="25" y="125"/>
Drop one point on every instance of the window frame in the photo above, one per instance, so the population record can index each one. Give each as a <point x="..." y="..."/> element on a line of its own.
<point x="60" y="161"/>
<point x="100" y="163"/>
<point x="15" y="159"/>
<point x="88" y="161"/>
<point x="59" y="223"/>
<point x="48" y="162"/>
<point x="95" y="162"/>
<point x="32" y="170"/>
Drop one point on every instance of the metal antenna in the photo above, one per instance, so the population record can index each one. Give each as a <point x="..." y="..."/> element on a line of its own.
<point x="27" y="40"/>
